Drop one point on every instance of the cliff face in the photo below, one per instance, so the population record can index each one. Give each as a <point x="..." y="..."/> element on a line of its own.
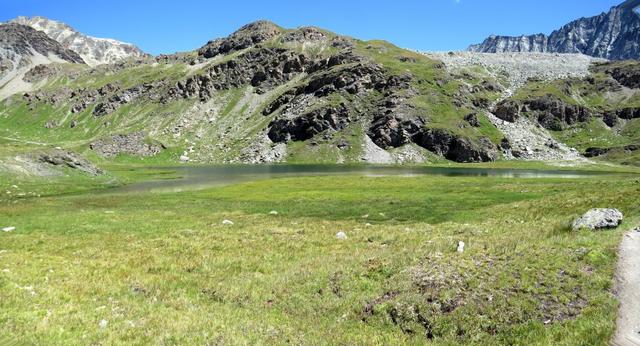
<point x="613" y="35"/>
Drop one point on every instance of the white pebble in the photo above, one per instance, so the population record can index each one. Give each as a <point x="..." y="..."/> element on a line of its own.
<point x="341" y="235"/>
<point x="460" y="246"/>
<point x="273" y="212"/>
<point x="227" y="222"/>
<point x="9" y="229"/>
<point x="103" y="324"/>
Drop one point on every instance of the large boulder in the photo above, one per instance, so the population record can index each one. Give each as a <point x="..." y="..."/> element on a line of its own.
<point x="596" y="219"/>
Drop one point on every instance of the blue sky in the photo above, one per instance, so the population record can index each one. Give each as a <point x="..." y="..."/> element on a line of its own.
<point x="163" y="26"/>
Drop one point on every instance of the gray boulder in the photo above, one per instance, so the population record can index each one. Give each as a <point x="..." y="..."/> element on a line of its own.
<point x="596" y="219"/>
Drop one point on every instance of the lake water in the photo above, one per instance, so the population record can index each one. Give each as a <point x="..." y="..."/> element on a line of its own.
<point x="194" y="177"/>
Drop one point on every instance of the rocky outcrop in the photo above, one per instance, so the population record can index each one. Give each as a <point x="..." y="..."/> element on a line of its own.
<point x="131" y="144"/>
<point x="508" y="110"/>
<point x="595" y="152"/>
<point x="304" y="34"/>
<point x="70" y="160"/>
<point x="456" y="148"/>
<point x="263" y="68"/>
<point x="555" y="114"/>
<point x="623" y="113"/>
<point x="613" y="35"/>
<point x="93" y="51"/>
<point x="114" y="102"/>
<point x="245" y="37"/>
<point x="626" y="73"/>
<point x="549" y="111"/>
<point x="307" y="126"/>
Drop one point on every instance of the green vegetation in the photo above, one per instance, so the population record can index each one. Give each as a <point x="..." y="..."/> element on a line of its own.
<point x="161" y="267"/>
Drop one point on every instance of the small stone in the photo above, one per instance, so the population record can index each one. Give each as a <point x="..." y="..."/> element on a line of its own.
<point x="273" y="212"/>
<point x="341" y="235"/>
<point x="103" y="324"/>
<point x="9" y="229"/>
<point x="227" y="222"/>
<point x="184" y="158"/>
<point x="460" y="246"/>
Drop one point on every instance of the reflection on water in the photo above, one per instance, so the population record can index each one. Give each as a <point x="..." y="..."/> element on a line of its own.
<point x="194" y="177"/>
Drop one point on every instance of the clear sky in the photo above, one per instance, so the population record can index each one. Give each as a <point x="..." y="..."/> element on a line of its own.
<point x="164" y="26"/>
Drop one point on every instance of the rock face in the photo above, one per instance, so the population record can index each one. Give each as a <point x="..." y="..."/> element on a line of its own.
<point x="309" y="125"/>
<point x="612" y="35"/>
<point x="550" y="112"/>
<point x="626" y="73"/>
<point x="596" y="219"/>
<point x="94" y="51"/>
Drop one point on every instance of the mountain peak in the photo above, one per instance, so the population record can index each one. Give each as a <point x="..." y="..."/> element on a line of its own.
<point x="94" y="51"/>
<point x="247" y="36"/>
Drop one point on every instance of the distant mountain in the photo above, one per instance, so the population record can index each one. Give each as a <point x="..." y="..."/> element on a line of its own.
<point x="21" y="49"/>
<point x="613" y="35"/>
<point x="94" y="51"/>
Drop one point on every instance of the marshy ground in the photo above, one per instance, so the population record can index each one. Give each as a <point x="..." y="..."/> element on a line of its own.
<point x="162" y="268"/>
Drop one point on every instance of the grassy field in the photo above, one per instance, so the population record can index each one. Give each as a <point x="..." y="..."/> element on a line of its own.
<point x="161" y="268"/>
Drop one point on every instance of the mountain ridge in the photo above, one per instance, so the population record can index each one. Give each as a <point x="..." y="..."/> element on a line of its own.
<point x="613" y="35"/>
<point x="267" y="94"/>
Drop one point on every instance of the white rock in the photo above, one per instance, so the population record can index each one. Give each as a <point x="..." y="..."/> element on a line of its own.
<point x="9" y="229"/>
<point x="103" y="324"/>
<point x="596" y="219"/>
<point x="273" y="212"/>
<point x="227" y="222"/>
<point x="341" y="235"/>
<point x="460" y="246"/>
<point x="184" y="158"/>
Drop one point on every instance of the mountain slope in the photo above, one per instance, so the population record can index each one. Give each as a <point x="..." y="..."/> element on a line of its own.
<point x="94" y="51"/>
<point x="269" y="94"/>
<point x="21" y="49"/>
<point x="613" y="35"/>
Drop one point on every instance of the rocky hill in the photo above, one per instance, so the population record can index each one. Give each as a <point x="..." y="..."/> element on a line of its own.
<point x="94" y="51"/>
<point x="269" y="94"/>
<point x="613" y="35"/>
